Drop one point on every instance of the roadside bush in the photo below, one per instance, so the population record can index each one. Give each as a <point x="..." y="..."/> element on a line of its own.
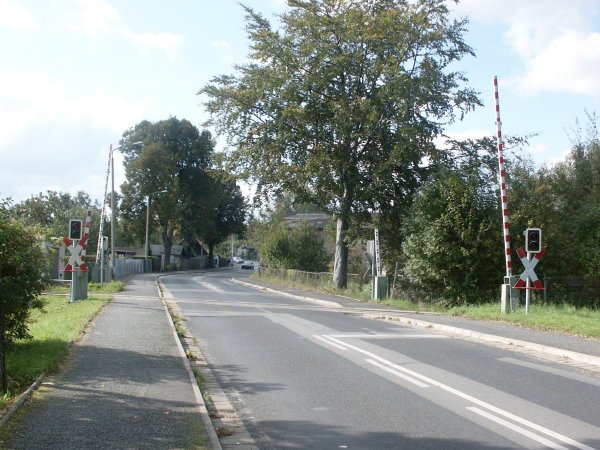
<point x="23" y="273"/>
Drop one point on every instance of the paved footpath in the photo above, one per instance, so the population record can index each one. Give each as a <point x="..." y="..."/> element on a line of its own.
<point x="127" y="385"/>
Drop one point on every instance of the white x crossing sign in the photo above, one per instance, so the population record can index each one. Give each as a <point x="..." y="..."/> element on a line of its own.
<point x="77" y="258"/>
<point x="529" y="265"/>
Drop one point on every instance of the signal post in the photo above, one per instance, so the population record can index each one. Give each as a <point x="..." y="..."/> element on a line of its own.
<point x="76" y="243"/>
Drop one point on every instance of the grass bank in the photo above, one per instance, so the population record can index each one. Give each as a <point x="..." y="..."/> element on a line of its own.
<point x="563" y="318"/>
<point x="53" y="329"/>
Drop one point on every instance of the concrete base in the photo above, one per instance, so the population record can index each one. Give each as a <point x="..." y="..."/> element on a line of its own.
<point x="509" y="297"/>
<point x="79" y="286"/>
<point x="380" y="288"/>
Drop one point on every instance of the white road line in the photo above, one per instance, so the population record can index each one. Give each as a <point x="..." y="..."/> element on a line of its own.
<point x="552" y="370"/>
<point x="467" y="397"/>
<point x="397" y="373"/>
<point x="333" y="344"/>
<point x="207" y="285"/>
<point x="505" y="423"/>
<point x="389" y="336"/>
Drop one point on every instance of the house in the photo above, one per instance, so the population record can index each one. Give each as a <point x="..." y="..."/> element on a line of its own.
<point x="319" y="221"/>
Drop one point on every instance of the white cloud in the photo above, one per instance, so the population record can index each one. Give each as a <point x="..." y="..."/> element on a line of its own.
<point x="167" y="42"/>
<point x="226" y="51"/>
<point x="16" y="17"/>
<point x="570" y="63"/>
<point x="98" y="18"/>
<point x="39" y="97"/>
<point x="554" y="39"/>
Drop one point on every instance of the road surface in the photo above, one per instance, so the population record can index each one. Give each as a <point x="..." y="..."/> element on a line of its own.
<point x="305" y="375"/>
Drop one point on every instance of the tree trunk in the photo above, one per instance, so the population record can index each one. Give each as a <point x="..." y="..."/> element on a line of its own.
<point x="340" y="265"/>
<point x="211" y="255"/>
<point x="167" y="238"/>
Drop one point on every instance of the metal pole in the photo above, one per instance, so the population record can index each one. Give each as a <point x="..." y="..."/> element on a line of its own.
<point x="377" y="260"/>
<point x="147" y="232"/>
<point x="505" y="219"/>
<point x="113" y="209"/>
<point x="527" y="288"/>
<point x="102" y="261"/>
<point x="74" y="278"/>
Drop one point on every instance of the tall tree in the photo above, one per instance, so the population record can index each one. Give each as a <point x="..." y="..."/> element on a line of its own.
<point x="174" y="157"/>
<point x="339" y="104"/>
<point x="228" y="215"/>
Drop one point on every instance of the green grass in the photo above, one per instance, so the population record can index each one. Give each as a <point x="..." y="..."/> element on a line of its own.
<point x="53" y="330"/>
<point x="111" y="287"/>
<point x="563" y="318"/>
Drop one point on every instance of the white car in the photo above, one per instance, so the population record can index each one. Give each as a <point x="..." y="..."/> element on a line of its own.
<point x="248" y="265"/>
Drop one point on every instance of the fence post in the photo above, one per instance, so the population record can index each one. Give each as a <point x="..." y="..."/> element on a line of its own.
<point x="545" y="288"/>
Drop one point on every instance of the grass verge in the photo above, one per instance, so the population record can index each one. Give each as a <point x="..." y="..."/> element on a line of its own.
<point x="583" y="322"/>
<point x="564" y="318"/>
<point x="53" y="329"/>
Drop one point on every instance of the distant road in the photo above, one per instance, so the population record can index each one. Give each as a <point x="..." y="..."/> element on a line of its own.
<point x="306" y="376"/>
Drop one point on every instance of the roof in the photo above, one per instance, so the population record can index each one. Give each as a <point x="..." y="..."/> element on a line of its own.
<point x="317" y="220"/>
<point x="157" y="249"/>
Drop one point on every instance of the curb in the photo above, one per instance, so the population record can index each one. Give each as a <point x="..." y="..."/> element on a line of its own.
<point x="22" y="399"/>
<point x="395" y="316"/>
<point x="286" y="294"/>
<point x="164" y="294"/>
<point x="490" y="338"/>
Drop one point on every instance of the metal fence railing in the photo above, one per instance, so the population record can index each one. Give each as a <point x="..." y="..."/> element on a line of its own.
<point x="579" y="291"/>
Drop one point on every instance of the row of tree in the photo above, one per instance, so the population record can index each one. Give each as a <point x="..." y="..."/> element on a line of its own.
<point x="197" y="201"/>
<point x="448" y="245"/>
<point x="451" y="243"/>
<point x="191" y="199"/>
<point x="340" y="106"/>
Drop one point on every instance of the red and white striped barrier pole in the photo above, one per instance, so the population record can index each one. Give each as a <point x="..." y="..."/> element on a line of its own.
<point x="505" y="219"/>
<point x="86" y="235"/>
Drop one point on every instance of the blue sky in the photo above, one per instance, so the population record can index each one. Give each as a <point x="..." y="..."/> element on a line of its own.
<point x="75" y="74"/>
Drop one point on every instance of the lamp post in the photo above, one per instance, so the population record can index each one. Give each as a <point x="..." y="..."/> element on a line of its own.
<point x="113" y="208"/>
<point x="147" y="244"/>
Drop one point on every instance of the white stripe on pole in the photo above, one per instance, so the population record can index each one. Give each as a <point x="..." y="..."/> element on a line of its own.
<point x="505" y="219"/>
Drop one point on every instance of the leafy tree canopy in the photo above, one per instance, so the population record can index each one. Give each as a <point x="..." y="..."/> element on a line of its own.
<point x="174" y="167"/>
<point x="341" y="103"/>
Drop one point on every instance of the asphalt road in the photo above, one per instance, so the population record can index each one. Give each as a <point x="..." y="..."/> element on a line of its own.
<point x="303" y="375"/>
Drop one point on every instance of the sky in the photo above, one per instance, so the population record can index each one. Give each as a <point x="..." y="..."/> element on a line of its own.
<point x="76" y="74"/>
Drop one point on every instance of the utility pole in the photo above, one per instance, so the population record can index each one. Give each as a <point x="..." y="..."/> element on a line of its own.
<point x="112" y="215"/>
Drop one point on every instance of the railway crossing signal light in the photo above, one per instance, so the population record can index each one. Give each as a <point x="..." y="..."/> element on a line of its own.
<point x="75" y="230"/>
<point x="533" y="240"/>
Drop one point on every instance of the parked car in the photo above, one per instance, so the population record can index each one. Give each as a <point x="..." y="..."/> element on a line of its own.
<point x="237" y="260"/>
<point x="248" y="265"/>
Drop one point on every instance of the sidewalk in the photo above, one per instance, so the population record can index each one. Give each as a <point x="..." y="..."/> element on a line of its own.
<point x="583" y="351"/>
<point x="126" y="386"/>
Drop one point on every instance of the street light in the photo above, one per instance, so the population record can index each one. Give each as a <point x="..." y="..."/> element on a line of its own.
<point x="148" y="226"/>
<point x="113" y="207"/>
